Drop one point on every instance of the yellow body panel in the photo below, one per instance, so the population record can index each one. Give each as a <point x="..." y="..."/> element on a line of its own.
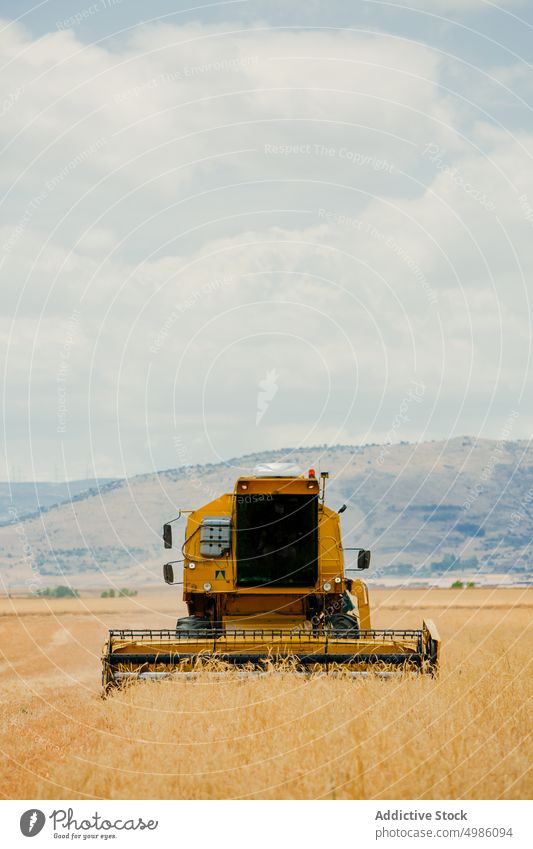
<point x="220" y="572"/>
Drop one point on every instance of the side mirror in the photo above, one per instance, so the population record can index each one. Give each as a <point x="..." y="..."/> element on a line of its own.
<point x="168" y="572"/>
<point x="363" y="559"/>
<point x="167" y="536"/>
<point x="341" y="509"/>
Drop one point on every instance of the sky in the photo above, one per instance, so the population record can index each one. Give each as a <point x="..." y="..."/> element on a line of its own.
<point x="232" y="227"/>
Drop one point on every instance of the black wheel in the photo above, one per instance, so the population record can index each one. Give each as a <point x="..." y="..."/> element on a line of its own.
<point x="345" y="623"/>
<point x="193" y="623"/>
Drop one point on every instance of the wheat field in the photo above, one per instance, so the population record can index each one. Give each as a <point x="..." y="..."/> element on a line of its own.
<point x="466" y="735"/>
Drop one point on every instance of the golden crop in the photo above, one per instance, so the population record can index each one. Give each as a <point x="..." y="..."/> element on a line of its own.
<point x="466" y="735"/>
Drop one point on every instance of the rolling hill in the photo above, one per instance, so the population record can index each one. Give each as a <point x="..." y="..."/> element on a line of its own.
<point x="431" y="509"/>
<point x="23" y="498"/>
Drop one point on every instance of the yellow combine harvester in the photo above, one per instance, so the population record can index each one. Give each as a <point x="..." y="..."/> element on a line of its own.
<point x="264" y="582"/>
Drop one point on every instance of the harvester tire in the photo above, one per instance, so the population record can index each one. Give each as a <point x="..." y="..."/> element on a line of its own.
<point x="344" y="622"/>
<point x="193" y="623"/>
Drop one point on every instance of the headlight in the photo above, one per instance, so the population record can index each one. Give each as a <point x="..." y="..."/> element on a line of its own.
<point x="192" y="565"/>
<point x="337" y="580"/>
<point x="326" y="587"/>
<point x="207" y="587"/>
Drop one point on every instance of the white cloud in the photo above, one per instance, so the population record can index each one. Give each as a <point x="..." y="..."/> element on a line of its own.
<point x="213" y="205"/>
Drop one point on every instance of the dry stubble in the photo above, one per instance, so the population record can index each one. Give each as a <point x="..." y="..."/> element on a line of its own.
<point x="466" y="735"/>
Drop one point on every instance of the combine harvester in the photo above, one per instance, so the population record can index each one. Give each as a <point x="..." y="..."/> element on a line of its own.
<point x="265" y="585"/>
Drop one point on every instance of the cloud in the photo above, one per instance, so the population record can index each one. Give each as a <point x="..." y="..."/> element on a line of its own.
<point x="191" y="208"/>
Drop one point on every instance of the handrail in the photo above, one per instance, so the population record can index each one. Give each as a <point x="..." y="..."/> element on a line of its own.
<point x="293" y="636"/>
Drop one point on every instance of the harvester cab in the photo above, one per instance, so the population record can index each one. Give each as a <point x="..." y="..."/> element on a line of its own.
<point x="265" y="583"/>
